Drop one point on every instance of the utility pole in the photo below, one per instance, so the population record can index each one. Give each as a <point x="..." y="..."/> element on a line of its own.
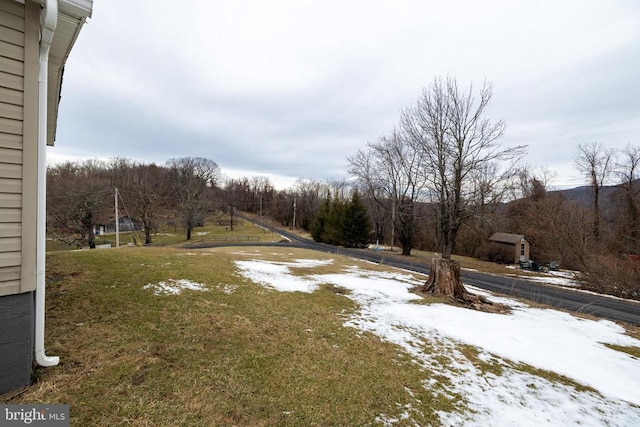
<point x="393" y="222"/>
<point x="117" y="222"/>
<point x="294" y="213"/>
<point x="261" y="206"/>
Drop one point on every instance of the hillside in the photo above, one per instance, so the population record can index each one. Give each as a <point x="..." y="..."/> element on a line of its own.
<point x="251" y="336"/>
<point x="584" y="194"/>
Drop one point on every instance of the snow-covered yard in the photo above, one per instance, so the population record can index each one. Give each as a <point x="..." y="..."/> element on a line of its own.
<point x="512" y="393"/>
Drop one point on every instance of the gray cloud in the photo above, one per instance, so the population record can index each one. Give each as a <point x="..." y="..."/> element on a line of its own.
<point x="292" y="88"/>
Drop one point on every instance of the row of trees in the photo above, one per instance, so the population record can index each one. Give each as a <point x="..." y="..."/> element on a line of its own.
<point x="445" y="154"/>
<point x="594" y="229"/>
<point x="442" y="160"/>
<point x="574" y="225"/>
<point x="80" y="195"/>
<point x="601" y="166"/>
<point x="181" y="193"/>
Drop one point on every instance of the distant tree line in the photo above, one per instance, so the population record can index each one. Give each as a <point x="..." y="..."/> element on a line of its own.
<point x="81" y="195"/>
<point x="593" y="229"/>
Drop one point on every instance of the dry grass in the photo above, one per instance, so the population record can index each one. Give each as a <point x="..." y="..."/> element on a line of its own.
<point x="249" y="357"/>
<point x="167" y="235"/>
<point x="633" y="351"/>
<point x="465" y="263"/>
<point x="236" y="354"/>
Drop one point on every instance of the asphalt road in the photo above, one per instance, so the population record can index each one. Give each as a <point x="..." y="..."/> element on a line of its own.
<point x="573" y="300"/>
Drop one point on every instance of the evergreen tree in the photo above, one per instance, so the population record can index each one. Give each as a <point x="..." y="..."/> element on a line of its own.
<point x="334" y="225"/>
<point x="356" y="224"/>
<point x="319" y="223"/>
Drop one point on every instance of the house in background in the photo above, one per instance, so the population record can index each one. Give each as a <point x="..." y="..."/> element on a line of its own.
<point x="514" y="247"/>
<point x="36" y="37"/>
<point x="125" y="223"/>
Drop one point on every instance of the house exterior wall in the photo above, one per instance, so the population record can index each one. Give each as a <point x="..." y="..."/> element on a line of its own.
<point x="522" y="252"/>
<point x="515" y="244"/>
<point x="19" y="40"/>
<point x="16" y="340"/>
<point x="19" y="33"/>
<point x="503" y="252"/>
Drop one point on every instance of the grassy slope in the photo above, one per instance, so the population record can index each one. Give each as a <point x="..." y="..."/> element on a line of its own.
<point x="177" y="236"/>
<point x="251" y="357"/>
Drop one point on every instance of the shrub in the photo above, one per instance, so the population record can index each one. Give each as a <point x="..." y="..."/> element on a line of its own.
<point x="611" y="274"/>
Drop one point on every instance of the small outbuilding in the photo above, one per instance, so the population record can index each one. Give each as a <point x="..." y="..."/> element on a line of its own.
<point x="509" y="243"/>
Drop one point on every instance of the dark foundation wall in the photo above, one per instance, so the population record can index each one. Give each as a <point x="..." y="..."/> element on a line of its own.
<point x="16" y="340"/>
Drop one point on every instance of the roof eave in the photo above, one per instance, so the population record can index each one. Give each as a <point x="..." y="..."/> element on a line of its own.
<point x="72" y="16"/>
<point x="77" y="8"/>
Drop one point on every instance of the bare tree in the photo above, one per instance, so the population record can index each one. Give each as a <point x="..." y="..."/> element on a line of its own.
<point x="309" y="194"/>
<point x="78" y="199"/>
<point x="595" y="162"/>
<point x="558" y="229"/>
<point x="447" y="125"/>
<point x="531" y="181"/>
<point x="627" y="170"/>
<point x="191" y="178"/>
<point x="147" y="191"/>
<point x="391" y="172"/>
<point x="263" y="192"/>
<point x="363" y="168"/>
<point x="489" y="188"/>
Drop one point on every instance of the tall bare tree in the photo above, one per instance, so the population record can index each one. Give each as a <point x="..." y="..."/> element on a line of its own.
<point x="309" y="194"/>
<point x="78" y="198"/>
<point x="391" y="172"/>
<point x="448" y="126"/>
<point x="146" y="193"/>
<point x="627" y="170"/>
<point x="363" y="168"/>
<point x="595" y="162"/>
<point x="191" y="179"/>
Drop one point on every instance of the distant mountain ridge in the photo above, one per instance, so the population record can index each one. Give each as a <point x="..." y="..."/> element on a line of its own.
<point x="584" y="194"/>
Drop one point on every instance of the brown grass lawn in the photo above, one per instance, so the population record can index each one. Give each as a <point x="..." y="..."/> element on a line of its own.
<point x="249" y="357"/>
<point x="235" y="354"/>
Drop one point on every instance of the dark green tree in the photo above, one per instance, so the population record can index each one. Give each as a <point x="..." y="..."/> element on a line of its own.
<point x="334" y="224"/>
<point x="319" y="223"/>
<point x="357" y="224"/>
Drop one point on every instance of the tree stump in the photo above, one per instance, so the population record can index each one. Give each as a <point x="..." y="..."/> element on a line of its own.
<point x="444" y="279"/>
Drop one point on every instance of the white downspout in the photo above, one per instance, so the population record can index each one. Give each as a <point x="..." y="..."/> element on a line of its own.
<point x="48" y="23"/>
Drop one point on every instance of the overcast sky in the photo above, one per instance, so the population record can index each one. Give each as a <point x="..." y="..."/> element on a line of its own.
<point x="289" y="89"/>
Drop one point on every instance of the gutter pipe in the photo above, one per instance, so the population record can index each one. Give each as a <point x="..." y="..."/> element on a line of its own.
<point x="48" y="23"/>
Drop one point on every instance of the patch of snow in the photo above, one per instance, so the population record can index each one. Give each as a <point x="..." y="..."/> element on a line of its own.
<point x="174" y="287"/>
<point x="308" y="263"/>
<point x="543" y="338"/>
<point x="510" y="302"/>
<point x="276" y="275"/>
<point x="558" y="280"/>
<point x="228" y="289"/>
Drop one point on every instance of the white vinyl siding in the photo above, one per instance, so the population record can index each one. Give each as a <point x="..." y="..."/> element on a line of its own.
<point x="12" y="55"/>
